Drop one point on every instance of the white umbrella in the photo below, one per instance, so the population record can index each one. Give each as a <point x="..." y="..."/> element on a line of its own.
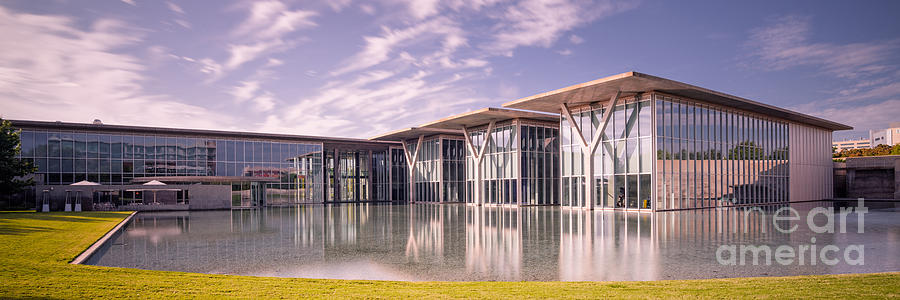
<point x="154" y="182"/>
<point x="85" y="182"/>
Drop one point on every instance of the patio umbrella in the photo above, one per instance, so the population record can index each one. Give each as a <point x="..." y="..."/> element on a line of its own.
<point x="85" y="182"/>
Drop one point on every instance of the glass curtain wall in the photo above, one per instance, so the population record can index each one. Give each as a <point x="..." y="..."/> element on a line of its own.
<point x="399" y="176"/>
<point x="539" y="164"/>
<point x="498" y="167"/>
<point x="348" y="175"/>
<point x="711" y="156"/>
<point x="453" y="153"/>
<point x="529" y="147"/>
<point x="622" y="162"/>
<point x="440" y="170"/>
<point x="65" y="157"/>
<point x="381" y="184"/>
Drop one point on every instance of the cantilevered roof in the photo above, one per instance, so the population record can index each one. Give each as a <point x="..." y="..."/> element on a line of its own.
<point x="601" y="90"/>
<point x="485" y="116"/>
<point x="106" y="128"/>
<point x="414" y="133"/>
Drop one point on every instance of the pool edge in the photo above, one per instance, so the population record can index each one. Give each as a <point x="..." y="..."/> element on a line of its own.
<point x="81" y="258"/>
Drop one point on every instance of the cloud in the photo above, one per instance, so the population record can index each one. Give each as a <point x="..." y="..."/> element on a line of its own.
<point x="367" y="9"/>
<point x="576" y="39"/>
<point x="541" y="22"/>
<point x="273" y="62"/>
<point x="174" y="7"/>
<point x="272" y="20"/>
<point x="52" y="70"/>
<point x="263" y="32"/>
<point x="421" y="9"/>
<point x="246" y="90"/>
<point x="862" y="117"/>
<point x="183" y="23"/>
<point x="377" y="49"/>
<point x="784" y="43"/>
<point x="244" y="53"/>
<point x="377" y="101"/>
<point x="863" y="89"/>
<point x="564" y="52"/>
<point x="130" y="2"/>
<point x="472" y="5"/>
<point x="338" y="5"/>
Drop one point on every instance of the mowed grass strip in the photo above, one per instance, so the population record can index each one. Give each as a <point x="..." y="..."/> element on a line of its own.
<point x="35" y="249"/>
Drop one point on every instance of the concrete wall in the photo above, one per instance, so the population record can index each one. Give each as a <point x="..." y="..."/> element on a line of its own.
<point x="811" y="167"/>
<point x="200" y="197"/>
<point x="876" y="177"/>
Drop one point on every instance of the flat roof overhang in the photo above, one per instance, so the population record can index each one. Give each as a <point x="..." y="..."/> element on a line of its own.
<point x="601" y="90"/>
<point x="486" y="115"/>
<point x="414" y="133"/>
<point x="164" y="131"/>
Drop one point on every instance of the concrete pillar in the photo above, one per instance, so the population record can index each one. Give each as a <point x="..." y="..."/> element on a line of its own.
<point x="897" y="179"/>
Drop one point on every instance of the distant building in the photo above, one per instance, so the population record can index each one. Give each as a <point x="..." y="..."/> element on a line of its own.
<point x="888" y="136"/>
<point x="851" y="144"/>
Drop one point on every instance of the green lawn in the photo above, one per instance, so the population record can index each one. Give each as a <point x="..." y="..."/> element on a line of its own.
<point x="35" y="249"/>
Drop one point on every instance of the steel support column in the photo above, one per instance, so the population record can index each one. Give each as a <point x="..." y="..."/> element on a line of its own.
<point x="478" y="156"/>
<point x="411" y="165"/>
<point x="590" y="149"/>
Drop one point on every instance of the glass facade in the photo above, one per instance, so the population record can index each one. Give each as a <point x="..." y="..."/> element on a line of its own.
<point x="539" y="159"/>
<point x="657" y="152"/>
<point x="622" y="162"/>
<point x="712" y="156"/>
<point x="705" y="156"/>
<point x="439" y="174"/>
<point x="65" y="157"/>
<point x="399" y="176"/>
<point x="520" y="164"/>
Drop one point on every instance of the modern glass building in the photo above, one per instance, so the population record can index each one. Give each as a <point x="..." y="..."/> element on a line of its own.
<point x="638" y="142"/>
<point x="262" y="169"/>
<point x="630" y="141"/>
<point x="510" y="157"/>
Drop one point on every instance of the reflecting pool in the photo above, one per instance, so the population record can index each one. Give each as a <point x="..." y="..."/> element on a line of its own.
<point x="457" y="242"/>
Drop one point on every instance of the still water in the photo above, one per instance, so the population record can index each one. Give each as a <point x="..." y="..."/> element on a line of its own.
<point x="462" y="243"/>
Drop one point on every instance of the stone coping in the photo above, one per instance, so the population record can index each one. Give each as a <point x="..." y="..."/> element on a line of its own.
<point x="81" y="258"/>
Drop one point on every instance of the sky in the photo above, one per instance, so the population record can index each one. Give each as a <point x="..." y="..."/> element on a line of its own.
<point x="350" y="68"/>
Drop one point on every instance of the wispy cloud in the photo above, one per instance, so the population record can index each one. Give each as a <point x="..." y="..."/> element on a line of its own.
<point x="542" y="22"/>
<point x="784" y="43"/>
<point x="576" y="39"/>
<point x="375" y="102"/>
<point x="265" y="31"/>
<point x="378" y="49"/>
<point x="863" y="92"/>
<point x="52" y="70"/>
<point x="862" y="117"/>
<point x="174" y="7"/>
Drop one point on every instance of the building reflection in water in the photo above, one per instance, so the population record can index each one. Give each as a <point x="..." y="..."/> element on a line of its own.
<point x="454" y="242"/>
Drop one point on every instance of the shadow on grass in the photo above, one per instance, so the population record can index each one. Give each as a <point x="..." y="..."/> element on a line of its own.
<point x="22" y="223"/>
<point x="10" y="228"/>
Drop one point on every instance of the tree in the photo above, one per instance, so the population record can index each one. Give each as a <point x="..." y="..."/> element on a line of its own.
<point x="12" y="169"/>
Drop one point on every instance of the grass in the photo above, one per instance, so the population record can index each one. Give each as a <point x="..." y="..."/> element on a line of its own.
<point x="35" y="249"/>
